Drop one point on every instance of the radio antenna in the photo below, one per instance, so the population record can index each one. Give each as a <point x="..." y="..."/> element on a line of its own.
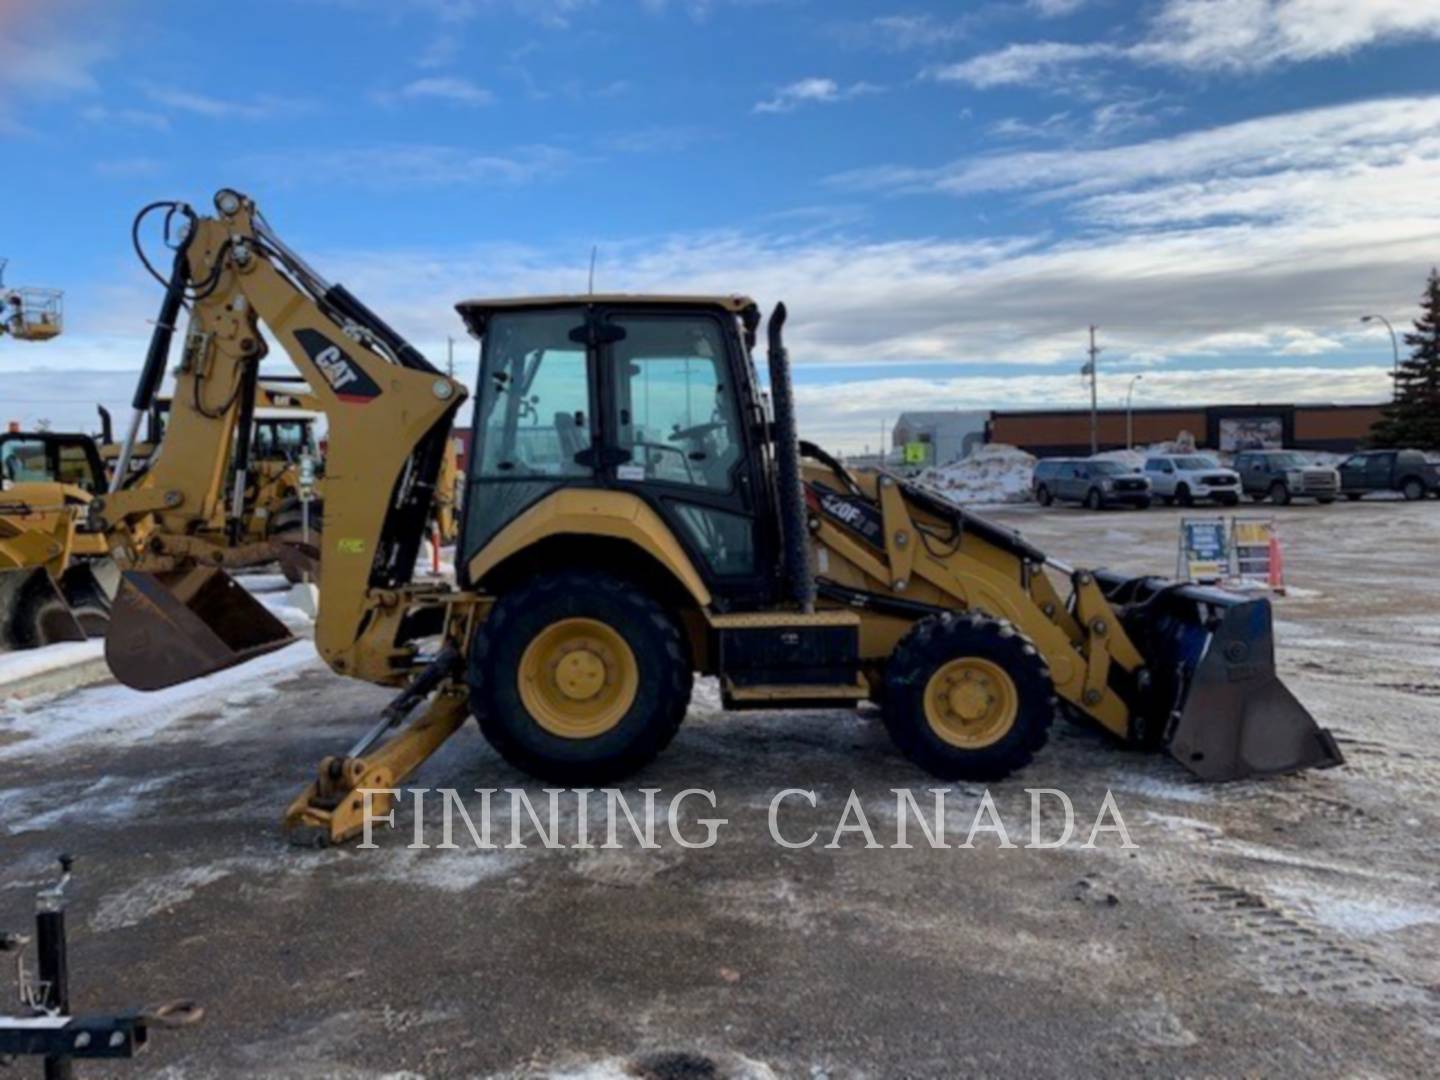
<point x="594" y="250"/>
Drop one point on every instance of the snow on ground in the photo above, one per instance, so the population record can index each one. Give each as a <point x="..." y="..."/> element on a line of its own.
<point x="994" y="473"/>
<point x="28" y="663"/>
<point x="45" y="722"/>
<point x="111" y="714"/>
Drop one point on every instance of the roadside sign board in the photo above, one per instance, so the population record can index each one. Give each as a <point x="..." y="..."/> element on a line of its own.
<point x="1204" y="549"/>
<point x="1256" y="548"/>
<point x="915" y="453"/>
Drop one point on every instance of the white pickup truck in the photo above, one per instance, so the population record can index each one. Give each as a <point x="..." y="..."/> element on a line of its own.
<point x="1189" y="478"/>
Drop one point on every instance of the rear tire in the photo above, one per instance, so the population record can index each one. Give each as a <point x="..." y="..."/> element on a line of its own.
<point x="967" y="697"/>
<point x="1413" y="490"/>
<point x="87" y="600"/>
<point x="1353" y="496"/>
<point x="1094" y="500"/>
<point x="1279" y="494"/>
<point x="616" y="702"/>
<point x="1143" y="504"/>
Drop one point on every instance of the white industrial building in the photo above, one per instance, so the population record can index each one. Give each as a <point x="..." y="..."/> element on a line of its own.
<point x="938" y="438"/>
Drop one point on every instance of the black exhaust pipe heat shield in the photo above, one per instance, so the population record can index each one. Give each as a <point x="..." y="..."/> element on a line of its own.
<point x="1213" y="699"/>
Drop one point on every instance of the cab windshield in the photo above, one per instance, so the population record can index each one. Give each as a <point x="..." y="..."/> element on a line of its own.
<point x="1193" y="463"/>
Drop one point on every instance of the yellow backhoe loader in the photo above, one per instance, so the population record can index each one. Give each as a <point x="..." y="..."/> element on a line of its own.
<point x="56" y="577"/>
<point x="634" y="514"/>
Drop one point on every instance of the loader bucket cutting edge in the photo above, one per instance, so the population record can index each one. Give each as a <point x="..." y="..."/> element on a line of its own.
<point x="1215" y="700"/>
<point x="167" y="629"/>
<point x="33" y="612"/>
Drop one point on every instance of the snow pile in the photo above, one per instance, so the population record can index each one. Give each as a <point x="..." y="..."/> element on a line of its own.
<point x="994" y="473"/>
<point x="29" y="663"/>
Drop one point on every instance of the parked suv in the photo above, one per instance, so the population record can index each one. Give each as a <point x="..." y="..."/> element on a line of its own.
<point x="1282" y="475"/>
<point x="1186" y="478"/>
<point x="1096" y="483"/>
<point x="1406" y="471"/>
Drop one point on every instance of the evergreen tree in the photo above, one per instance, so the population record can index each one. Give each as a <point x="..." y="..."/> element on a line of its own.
<point x="1413" y="420"/>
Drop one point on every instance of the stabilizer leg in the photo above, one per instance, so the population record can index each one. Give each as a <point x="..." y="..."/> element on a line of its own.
<point x="332" y="809"/>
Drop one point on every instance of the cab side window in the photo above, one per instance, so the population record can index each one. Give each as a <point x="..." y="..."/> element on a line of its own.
<point x="676" y="404"/>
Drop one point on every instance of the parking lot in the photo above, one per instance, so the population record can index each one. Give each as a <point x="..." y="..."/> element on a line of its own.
<point x="1287" y="925"/>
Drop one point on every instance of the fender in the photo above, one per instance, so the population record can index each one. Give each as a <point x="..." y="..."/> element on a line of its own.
<point x="587" y="512"/>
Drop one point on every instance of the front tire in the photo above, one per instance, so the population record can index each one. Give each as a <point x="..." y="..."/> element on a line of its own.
<point x="1279" y="494"/>
<point x="1413" y="490"/>
<point x="1183" y="496"/>
<point x="1353" y="496"/>
<point x="967" y="697"/>
<point x="1043" y="496"/>
<point x="1094" y="500"/>
<point x="579" y="677"/>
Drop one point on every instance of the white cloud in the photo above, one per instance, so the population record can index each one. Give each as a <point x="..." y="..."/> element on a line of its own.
<point x="400" y="166"/>
<point x="217" y="108"/>
<point x="448" y="88"/>
<point x="1017" y="65"/>
<point x="1211" y="36"/>
<point x="1255" y="161"/>
<point x="1218" y="35"/>
<point x="813" y="92"/>
<point x="105" y="116"/>
<point x="37" y="62"/>
<point x="1053" y="9"/>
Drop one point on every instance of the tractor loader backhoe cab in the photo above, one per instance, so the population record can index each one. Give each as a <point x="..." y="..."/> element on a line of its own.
<point x="634" y="514"/>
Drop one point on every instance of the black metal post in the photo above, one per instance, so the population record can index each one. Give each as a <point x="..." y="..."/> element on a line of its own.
<point x="54" y="963"/>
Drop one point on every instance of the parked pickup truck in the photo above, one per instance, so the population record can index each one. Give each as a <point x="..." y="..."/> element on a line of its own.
<point x="1190" y="478"/>
<point x="1406" y="471"/>
<point x="1097" y="484"/>
<point x="1282" y="475"/>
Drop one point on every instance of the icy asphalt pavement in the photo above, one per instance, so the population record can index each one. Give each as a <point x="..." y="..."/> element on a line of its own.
<point x="1285" y="926"/>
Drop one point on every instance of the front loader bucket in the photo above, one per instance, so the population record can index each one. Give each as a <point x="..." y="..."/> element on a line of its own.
<point x="32" y="611"/>
<point x="170" y="628"/>
<point x="1214" y="700"/>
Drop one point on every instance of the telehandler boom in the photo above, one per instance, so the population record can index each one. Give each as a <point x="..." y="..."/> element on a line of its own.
<point x="634" y="513"/>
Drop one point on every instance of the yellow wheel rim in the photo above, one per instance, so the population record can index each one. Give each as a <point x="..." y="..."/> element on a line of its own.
<point x="578" y="678"/>
<point x="971" y="703"/>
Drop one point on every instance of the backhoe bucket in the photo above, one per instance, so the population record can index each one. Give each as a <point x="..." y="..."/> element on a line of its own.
<point x="32" y="611"/>
<point x="1214" y="700"/>
<point x="170" y="628"/>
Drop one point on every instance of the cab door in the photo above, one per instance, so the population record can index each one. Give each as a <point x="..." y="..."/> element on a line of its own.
<point x="675" y="434"/>
<point x="534" y="429"/>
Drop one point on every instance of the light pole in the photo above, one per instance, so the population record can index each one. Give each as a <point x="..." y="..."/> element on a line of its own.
<point x="1394" y="348"/>
<point x="1130" y="416"/>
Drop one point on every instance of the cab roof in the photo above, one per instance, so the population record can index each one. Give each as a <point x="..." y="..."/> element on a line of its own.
<point x="476" y="313"/>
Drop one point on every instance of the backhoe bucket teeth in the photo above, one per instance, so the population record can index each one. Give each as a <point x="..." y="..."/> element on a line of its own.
<point x="32" y="611"/>
<point x="1214" y="700"/>
<point x="170" y="628"/>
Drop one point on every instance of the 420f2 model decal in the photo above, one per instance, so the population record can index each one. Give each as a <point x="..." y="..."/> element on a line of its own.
<point x="345" y="376"/>
<point x="855" y="514"/>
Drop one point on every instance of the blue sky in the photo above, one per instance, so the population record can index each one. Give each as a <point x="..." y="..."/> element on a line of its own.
<point x="945" y="194"/>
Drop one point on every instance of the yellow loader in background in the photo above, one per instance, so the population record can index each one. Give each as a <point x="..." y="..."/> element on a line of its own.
<point x="56" y="576"/>
<point x="636" y="513"/>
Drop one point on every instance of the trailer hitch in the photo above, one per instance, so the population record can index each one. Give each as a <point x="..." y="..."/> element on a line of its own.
<point x="45" y="1027"/>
